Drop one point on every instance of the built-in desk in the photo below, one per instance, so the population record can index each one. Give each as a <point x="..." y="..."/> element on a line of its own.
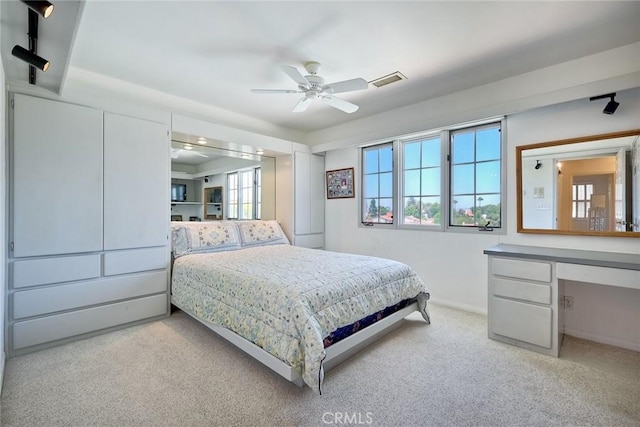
<point x="526" y="287"/>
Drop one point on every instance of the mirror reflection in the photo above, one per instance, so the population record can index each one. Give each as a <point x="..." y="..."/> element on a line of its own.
<point x="586" y="185"/>
<point x="211" y="180"/>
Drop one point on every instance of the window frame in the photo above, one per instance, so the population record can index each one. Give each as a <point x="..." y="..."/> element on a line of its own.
<point x="256" y="192"/>
<point x="445" y="180"/>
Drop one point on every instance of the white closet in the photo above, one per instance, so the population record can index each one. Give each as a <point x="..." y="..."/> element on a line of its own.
<point x="88" y="216"/>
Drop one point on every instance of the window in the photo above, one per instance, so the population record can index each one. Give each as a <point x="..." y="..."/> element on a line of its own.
<point x="421" y="181"/>
<point x="244" y="194"/>
<point x="377" y="203"/>
<point x="476" y="177"/>
<point x="450" y="180"/>
<point x="581" y="200"/>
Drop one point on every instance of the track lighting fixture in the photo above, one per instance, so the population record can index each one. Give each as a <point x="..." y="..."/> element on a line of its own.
<point x="44" y="8"/>
<point x="30" y="58"/>
<point x="611" y="106"/>
<point x="538" y="165"/>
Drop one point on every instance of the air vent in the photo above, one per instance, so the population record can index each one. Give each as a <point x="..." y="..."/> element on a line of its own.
<point x="388" y="79"/>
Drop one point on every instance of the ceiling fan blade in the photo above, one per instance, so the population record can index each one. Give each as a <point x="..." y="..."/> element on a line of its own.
<point x="346" y="86"/>
<point x="302" y="105"/>
<point x="295" y="75"/>
<point x="275" y="91"/>
<point x="199" y="154"/>
<point x="340" y="104"/>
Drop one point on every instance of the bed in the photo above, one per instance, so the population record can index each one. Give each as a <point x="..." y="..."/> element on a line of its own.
<point x="297" y="310"/>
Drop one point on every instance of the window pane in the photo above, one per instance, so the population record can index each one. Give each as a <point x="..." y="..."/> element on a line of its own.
<point x="371" y="186"/>
<point x="431" y="210"/>
<point x="462" y="179"/>
<point x="412" y="210"/>
<point x="488" y="144"/>
<point x="462" y="210"/>
<point x="581" y="210"/>
<point x="386" y="159"/>
<point x="370" y="161"/>
<point x="488" y="177"/>
<point x="430" y="181"/>
<point x="462" y="149"/>
<point x="370" y="210"/>
<point x="589" y="191"/>
<point x="431" y="153"/>
<point x="386" y="184"/>
<point x="580" y="192"/>
<point x="386" y="210"/>
<point x="412" y="155"/>
<point x="412" y="183"/>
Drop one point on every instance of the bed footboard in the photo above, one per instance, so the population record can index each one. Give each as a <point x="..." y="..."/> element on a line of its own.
<point x="335" y="354"/>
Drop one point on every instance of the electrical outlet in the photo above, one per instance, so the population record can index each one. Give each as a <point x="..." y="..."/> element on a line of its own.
<point x="568" y="303"/>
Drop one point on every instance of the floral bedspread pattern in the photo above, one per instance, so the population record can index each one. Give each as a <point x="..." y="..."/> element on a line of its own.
<point x="286" y="299"/>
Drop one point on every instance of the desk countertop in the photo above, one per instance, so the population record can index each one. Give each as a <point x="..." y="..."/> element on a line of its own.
<point x="571" y="256"/>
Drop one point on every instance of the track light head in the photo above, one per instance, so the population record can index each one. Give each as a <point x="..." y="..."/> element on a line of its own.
<point x="30" y="58"/>
<point x="44" y="8"/>
<point x="611" y="107"/>
<point x="538" y="165"/>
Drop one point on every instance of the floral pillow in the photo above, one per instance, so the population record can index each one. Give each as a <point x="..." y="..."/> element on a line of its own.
<point x="207" y="236"/>
<point x="255" y="233"/>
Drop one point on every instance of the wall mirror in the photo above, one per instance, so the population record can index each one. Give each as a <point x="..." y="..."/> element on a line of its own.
<point x="202" y="166"/>
<point x="581" y="186"/>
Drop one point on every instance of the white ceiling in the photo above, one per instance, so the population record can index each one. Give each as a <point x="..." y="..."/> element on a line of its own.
<point x="214" y="52"/>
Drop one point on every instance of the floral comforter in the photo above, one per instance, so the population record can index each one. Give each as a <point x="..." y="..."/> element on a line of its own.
<point x="286" y="299"/>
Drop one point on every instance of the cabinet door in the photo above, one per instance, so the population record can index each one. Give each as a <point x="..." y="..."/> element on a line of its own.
<point x="309" y="193"/>
<point x="136" y="182"/>
<point x="57" y="178"/>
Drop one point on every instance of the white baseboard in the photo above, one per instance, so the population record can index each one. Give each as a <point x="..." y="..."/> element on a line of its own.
<point x="629" y="345"/>
<point x="458" y="306"/>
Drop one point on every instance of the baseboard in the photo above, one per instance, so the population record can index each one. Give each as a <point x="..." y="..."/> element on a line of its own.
<point x="616" y="342"/>
<point x="458" y="306"/>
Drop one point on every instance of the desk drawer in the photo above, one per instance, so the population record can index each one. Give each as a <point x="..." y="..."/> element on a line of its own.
<point x="528" y="270"/>
<point x="524" y="322"/>
<point x="526" y="291"/>
<point x="600" y="275"/>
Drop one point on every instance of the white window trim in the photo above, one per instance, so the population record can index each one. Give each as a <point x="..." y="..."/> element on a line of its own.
<point x="445" y="178"/>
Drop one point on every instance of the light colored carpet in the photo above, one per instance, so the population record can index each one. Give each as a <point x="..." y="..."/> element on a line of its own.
<point x="176" y="372"/>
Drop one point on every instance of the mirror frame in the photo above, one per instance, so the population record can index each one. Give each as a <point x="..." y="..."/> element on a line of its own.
<point x="519" y="150"/>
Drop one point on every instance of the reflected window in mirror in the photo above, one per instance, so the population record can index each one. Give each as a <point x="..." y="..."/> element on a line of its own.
<point x="586" y="185"/>
<point x="244" y="194"/>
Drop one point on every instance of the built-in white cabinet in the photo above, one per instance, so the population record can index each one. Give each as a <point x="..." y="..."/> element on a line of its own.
<point x="89" y="218"/>
<point x="301" y="189"/>
<point x="57" y="178"/>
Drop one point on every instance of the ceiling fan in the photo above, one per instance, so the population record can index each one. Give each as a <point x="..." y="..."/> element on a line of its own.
<point x="175" y="152"/>
<point x="313" y="87"/>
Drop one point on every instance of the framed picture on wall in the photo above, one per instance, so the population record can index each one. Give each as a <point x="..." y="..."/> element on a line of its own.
<point x="340" y="184"/>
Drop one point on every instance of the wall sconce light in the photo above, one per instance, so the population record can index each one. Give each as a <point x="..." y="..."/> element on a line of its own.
<point x="538" y="165"/>
<point x="611" y="106"/>
<point x="44" y="8"/>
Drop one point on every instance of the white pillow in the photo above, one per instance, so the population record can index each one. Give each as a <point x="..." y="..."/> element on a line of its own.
<point x="257" y="233"/>
<point x="205" y="236"/>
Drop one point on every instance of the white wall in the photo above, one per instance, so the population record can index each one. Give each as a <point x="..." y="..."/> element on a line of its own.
<point x="453" y="264"/>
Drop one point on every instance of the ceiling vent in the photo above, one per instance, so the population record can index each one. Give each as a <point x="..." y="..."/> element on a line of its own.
<point x="388" y="79"/>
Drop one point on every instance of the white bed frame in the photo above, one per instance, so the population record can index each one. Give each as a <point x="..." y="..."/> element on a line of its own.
<point x="336" y="353"/>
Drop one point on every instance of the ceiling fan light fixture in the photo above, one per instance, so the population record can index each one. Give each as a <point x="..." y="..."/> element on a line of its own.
<point x="44" y="8"/>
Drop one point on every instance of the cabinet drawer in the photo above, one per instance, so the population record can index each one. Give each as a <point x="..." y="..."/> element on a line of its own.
<point x="529" y="270"/>
<point x="526" y="291"/>
<point x="525" y="322"/>
<point x="601" y="275"/>
<point x="65" y="325"/>
<point x="132" y="261"/>
<point x="75" y="295"/>
<point x="44" y="271"/>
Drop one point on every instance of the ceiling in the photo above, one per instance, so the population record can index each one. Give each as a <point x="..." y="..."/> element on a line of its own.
<point x="214" y="52"/>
